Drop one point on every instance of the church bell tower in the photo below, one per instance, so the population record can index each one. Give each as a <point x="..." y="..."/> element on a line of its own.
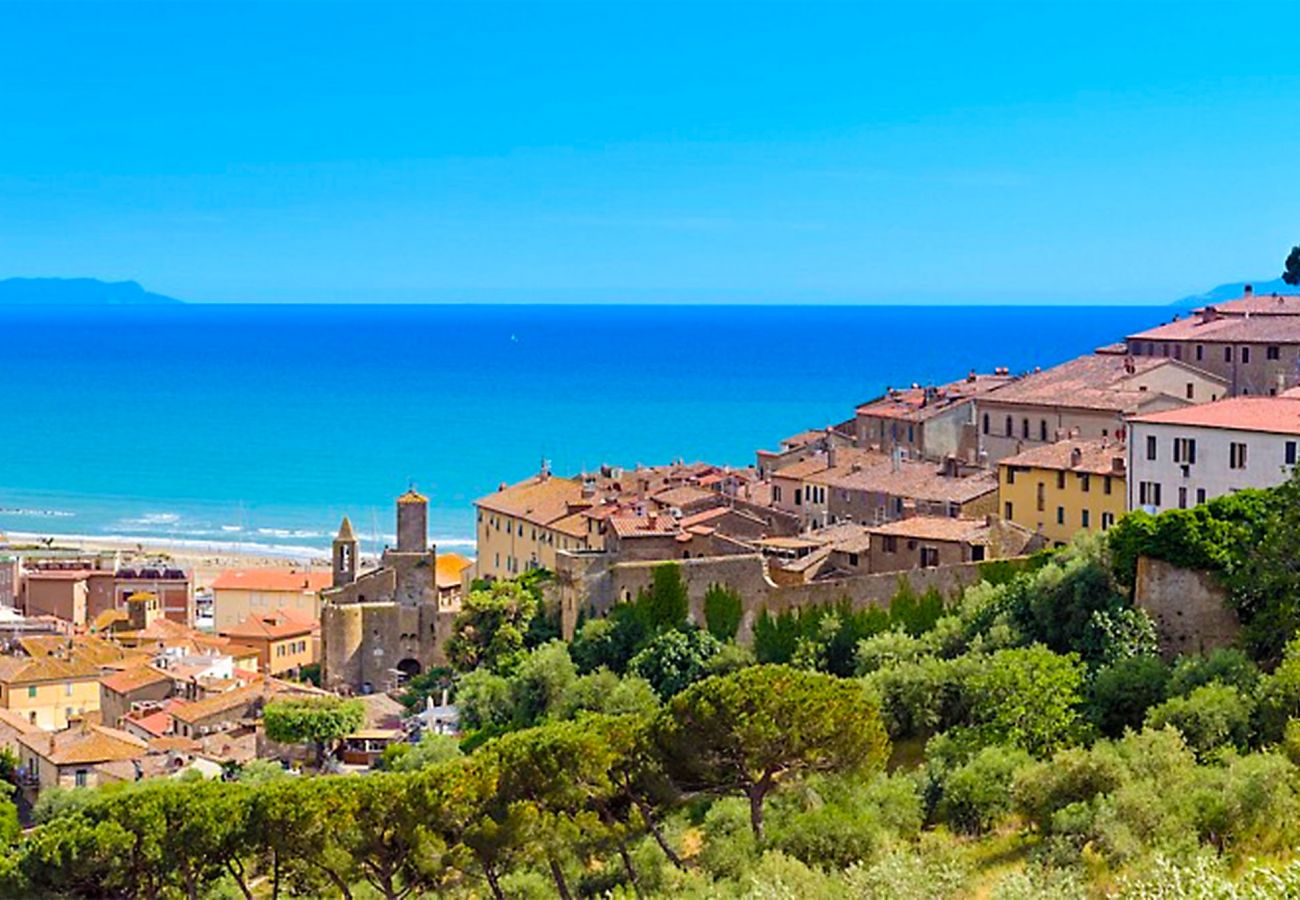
<point x="345" y="555"/>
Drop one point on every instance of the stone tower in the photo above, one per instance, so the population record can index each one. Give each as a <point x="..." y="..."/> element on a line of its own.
<point x="412" y="522"/>
<point x="345" y="555"/>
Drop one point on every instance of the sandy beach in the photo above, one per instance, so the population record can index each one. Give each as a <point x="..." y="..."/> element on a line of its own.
<point x="204" y="559"/>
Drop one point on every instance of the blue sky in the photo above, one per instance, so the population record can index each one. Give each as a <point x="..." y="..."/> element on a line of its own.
<point x="869" y="152"/>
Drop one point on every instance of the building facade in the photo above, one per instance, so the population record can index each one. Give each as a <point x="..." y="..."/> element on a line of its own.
<point x="240" y="593"/>
<point x="1063" y="488"/>
<point x="1183" y="457"/>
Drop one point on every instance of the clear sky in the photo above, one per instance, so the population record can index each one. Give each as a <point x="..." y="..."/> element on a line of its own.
<point x="757" y="152"/>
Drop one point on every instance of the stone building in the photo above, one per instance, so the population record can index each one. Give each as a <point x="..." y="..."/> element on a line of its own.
<point x="386" y="624"/>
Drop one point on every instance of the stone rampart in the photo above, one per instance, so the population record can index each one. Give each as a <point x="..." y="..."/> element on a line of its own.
<point x="591" y="583"/>
<point x="1189" y="607"/>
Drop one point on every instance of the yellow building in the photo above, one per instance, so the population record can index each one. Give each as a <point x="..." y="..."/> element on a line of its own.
<point x="48" y="691"/>
<point x="521" y="526"/>
<point x="1063" y="488"/>
<point x="240" y="593"/>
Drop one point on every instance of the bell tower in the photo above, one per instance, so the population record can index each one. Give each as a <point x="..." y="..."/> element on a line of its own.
<point x="345" y="555"/>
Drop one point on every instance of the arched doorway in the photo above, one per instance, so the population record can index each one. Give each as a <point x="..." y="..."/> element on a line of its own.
<point x="409" y="667"/>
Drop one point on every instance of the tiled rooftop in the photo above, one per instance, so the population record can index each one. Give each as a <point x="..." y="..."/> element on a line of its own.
<point x="1254" y="329"/>
<point x="85" y="745"/>
<point x="1098" y="381"/>
<point x="918" y="403"/>
<point x="1276" y="415"/>
<point x="917" y="481"/>
<point x="270" y="579"/>
<point x="134" y="679"/>
<point x="1095" y="457"/>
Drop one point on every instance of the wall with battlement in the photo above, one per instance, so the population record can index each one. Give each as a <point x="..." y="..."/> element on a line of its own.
<point x="590" y="583"/>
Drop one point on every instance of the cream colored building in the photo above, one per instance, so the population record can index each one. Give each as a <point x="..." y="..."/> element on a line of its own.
<point x="47" y="691"/>
<point x="76" y="757"/>
<point x="521" y="527"/>
<point x="240" y="593"/>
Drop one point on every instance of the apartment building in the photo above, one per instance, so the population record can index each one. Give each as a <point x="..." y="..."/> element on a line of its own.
<point x="1063" y="488"/>
<point x="927" y="422"/>
<point x="1252" y="343"/>
<point x="1086" y="398"/>
<point x="1179" y="458"/>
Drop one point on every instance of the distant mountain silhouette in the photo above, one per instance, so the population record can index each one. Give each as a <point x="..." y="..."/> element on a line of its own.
<point x="77" y="292"/>
<point x="1234" y="290"/>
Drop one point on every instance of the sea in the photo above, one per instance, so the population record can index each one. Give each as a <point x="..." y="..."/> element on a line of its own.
<point x="257" y="427"/>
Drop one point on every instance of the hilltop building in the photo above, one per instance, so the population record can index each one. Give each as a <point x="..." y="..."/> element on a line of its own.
<point x="927" y="422"/>
<point x="240" y="593"/>
<point x="1252" y="343"/>
<point x="1182" y="457"/>
<point x="1062" y="488"/>
<point x="386" y="624"/>
<point x="1086" y="398"/>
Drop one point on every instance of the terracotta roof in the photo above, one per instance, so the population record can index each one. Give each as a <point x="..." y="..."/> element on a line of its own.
<point x="271" y="626"/>
<point x="412" y="496"/>
<point x="684" y="495"/>
<point x="156" y="723"/>
<point x="1099" y="381"/>
<point x="1261" y="304"/>
<point x="1275" y="415"/>
<point x="1255" y="329"/>
<point x="108" y="618"/>
<point x="20" y="724"/>
<point x="1095" y="457"/>
<point x="644" y="526"/>
<point x="918" y="481"/>
<point x="936" y="528"/>
<point x="540" y="500"/>
<point x="173" y="743"/>
<point x="917" y="404"/>
<point x="448" y="569"/>
<point x="134" y="679"/>
<point x="219" y="703"/>
<point x="272" y="579"/>
<point x="94" y="650"/>
<point x="91" y="744"/>
<point x="28" y="670"/>
<point x="818" y="465"/>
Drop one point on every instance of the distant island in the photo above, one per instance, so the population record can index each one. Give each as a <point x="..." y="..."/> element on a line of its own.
<point x="78" y="292"/>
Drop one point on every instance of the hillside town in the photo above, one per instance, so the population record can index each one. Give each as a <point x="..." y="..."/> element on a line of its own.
<point x="120" y="666"/>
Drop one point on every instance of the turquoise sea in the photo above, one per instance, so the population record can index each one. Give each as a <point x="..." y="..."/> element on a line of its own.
<point x="263" y="425"/>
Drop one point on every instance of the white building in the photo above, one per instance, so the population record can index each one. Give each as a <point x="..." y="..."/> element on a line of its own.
<point x="1181" y="457"/>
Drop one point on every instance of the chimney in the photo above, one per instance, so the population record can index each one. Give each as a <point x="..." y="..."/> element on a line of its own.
<point x="1129" y="365"/>
<point x="830" y="453"/>
<point x="1209" y="314"/>
<point x="970" y="377"/>
<point x="1076" y="457"/>
<point x="1248" y="291"/>
<point x="1117" y="465"/>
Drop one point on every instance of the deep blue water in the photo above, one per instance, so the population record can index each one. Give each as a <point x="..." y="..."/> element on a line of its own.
<point x="194" y="421"/>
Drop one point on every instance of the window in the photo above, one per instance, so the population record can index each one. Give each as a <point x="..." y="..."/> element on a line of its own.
<point x="1042" y="496"/>
<point x="911" y="433"/>
<point x="1185" y="450"/>
<point x="1085" y="482"/>
<point x="1008" y="511"/>
<point x="1151" y="446"/>
<point x="798" y="496"/>
<point x="1227" y="354"/>
<point x="67" y="689"/>
<point x="1178" y="351"/>
<point x="1290" y="453"/>
<point x="1182" y="498"/>
<point x="1200" y="495"/>
<point x="977" y="553"/>
<point x="776" y="493"/>
<point x="1060" y="481"/>
<point x="1149" y="493"/>
<point x="1236" y="456"/>
<point x="31" y="691"/>
<point x="1060" y="515"/>
<point x="853" y="560"/>
<point x="1105" y="485"/>
<point x="1042" y="430"/>
<point x="1200" y="352"/>
<point x="929" y="557"/>
<point x="1191" y="391"/>
<point x="80" y="777"/>
<point x="891" y="543"/>
<point x="1107" y="520"/>
<point x="1011" y="473"/>
<point x="1271" y="352"/>
<point x="1024" y="428"/>
<point x="1245" y="355"/>
<point x="1008" y="424"/>
<point x="986" y="423"/>
<point x="1084" y="518"/>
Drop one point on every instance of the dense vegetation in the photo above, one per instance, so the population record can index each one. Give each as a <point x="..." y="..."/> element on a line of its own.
<point x="1020" y="739"/>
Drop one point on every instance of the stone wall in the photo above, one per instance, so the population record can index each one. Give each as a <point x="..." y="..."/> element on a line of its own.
<point x="590" y="583"/>
<point x="1188" y="606"/>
